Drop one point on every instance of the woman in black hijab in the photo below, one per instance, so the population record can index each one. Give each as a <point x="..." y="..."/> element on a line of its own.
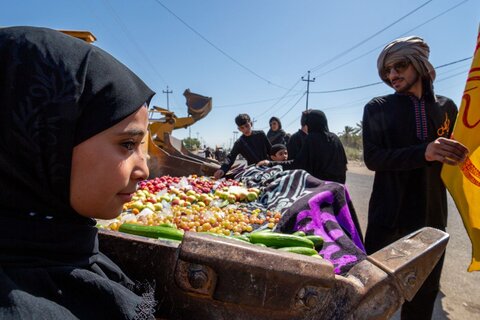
<point x="71" y="123"/>
<point x="276" y="135"/>
<point x="322" y="154"/>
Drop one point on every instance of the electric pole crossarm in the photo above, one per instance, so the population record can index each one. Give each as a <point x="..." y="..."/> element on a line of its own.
<point x="167" y="92"/>
<point x="308" y="86"/>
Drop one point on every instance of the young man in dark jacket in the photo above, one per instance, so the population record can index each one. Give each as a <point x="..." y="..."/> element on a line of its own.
<point x="252" y="145"/>
<point x="406" y="139"/>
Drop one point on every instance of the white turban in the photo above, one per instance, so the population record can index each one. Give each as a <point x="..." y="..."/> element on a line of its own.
<point x="414" y="49"/>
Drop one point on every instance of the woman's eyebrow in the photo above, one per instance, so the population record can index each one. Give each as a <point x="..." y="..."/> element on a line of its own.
<point x="132" y="133"/>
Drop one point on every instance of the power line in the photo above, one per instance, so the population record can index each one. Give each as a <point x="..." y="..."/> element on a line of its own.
<point x="281" y="98"/>
<point x="292" y="106"/>
<point x="380" y="82"/>
<point x="383" y="45"/>
<point x="372" y="50"/>
<point x="368" y="38"/>
<point x="132" y="39"/>
<point x="217" y="48"/>
<point x="114" y="34"/>
<point x="251" y="102"/>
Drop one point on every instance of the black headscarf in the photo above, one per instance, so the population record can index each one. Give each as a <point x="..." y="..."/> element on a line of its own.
<point x="322" y="154"/>
<point x="278" y="136"/>
<point x="56" y="92"/>
<point x="326" y="155"/>
<point x="317" y="122"/>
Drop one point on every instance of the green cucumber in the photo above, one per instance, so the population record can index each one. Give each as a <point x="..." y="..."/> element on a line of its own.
<point x="152" y="231"/>
<point x="317" y="241"/>
<point x="260" y="244"/>
<point x="169" y="225"/>
<point x="299" y="233"/>
<point x="168" y="239"/>
<point x="241" y="237"/>
<point x="300" y="250"/>
<point x="275" y="239"/>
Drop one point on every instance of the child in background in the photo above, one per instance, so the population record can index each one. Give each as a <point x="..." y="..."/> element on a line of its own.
<point x="279" y="152"/>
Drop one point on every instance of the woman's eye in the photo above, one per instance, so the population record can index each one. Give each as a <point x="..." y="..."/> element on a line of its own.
<point x="129" y="145"/>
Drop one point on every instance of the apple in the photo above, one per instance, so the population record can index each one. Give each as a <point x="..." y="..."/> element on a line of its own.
<point x="231" y="198"/>
<point x="252" y="196"/>
<point x="191" y="199"/>
<point x="242" y="195"/>
<point x="137" y="205"/>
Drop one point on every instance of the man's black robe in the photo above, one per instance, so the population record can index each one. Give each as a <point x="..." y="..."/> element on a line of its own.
<point x="408" y="192"/>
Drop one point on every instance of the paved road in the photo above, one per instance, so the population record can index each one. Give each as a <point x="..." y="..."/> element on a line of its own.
<point x="460" y="290"/>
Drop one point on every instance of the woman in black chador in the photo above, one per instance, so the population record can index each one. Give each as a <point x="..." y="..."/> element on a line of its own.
<point x="72" y="119"/>
<point x="322" y="155"/>
<point x="276" y="135"/>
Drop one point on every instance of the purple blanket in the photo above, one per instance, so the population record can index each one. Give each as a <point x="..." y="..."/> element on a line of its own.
<point x="311" y="205"/>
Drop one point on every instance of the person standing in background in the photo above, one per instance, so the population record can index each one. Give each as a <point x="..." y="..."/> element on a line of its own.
<point x="252" y="145"/>
<point x="322" y="155"/>
<point x="406" y="139"/>
<point x="297" y="139"/>
<point x="276" y="135"/>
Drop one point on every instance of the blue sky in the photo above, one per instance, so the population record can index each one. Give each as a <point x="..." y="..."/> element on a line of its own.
<point x="249" y="56"/>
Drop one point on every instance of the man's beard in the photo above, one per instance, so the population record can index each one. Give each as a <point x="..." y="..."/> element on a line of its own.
<point x="409" y="85"/>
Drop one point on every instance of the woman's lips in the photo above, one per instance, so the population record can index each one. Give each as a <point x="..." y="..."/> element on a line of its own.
<point x="126" y="197"/>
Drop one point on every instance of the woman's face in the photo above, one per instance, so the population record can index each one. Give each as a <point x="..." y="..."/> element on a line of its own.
<point x="274" y="125"/>
<point x="107" y="167"/>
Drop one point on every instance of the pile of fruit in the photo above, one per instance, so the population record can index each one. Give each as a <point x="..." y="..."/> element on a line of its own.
<point x="193" y="203"/>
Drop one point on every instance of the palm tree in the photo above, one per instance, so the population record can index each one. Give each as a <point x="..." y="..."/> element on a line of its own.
<point x="346" y="135"/>
<point x="359" y="128"/>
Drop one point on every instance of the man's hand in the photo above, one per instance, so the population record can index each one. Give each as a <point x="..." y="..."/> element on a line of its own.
<point x="218" y="174"/>
<point x="263" y="163"/>
<point x="446" y="151"/>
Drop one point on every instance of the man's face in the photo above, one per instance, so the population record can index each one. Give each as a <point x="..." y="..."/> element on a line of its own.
<point x="402" y="76"/>
<point x="281" y="155"/>
<point x="246" y="129"/>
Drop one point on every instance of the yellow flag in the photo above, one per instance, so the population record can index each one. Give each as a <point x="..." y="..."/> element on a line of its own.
<point x="463" y="182"/>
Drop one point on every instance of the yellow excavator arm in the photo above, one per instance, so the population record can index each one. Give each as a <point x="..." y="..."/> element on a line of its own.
<point x="163" y="121"/>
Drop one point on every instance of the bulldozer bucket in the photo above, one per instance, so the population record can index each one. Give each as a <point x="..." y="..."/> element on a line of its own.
<point x="198" y="106"/>
<point x="162" y="162"/>
<point x="207" y="277"/>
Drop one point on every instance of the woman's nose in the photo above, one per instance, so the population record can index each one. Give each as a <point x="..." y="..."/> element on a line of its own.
<point x="140" y="171"/>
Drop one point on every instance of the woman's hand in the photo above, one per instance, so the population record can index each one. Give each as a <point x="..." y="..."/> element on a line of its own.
<point x="446" y="151"/>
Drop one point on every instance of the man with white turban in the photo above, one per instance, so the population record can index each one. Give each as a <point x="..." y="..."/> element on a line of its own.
<point x="406" y="139"/>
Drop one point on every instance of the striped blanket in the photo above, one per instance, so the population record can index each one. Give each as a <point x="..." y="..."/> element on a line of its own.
<point x="311" y="205"/>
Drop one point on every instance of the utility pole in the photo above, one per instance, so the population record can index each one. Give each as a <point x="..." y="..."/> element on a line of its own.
<point x="253" y="122"/>
<point x="308" y="86"/>
<point x="235" y="136"/>
<point x="167" y="92"/>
